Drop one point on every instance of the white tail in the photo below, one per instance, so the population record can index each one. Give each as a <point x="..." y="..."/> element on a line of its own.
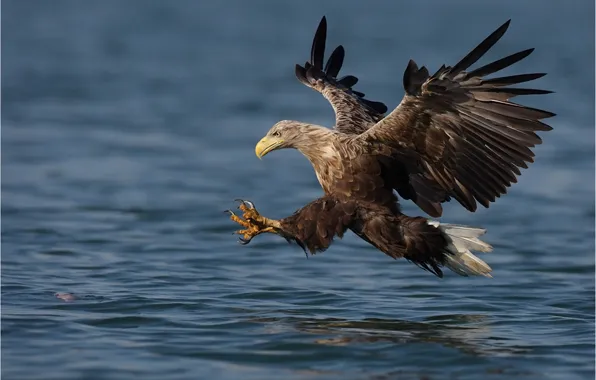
<point x="462" y="239"/>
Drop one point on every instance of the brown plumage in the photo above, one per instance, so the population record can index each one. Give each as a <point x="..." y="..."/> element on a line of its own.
<point x="455" y="134"/>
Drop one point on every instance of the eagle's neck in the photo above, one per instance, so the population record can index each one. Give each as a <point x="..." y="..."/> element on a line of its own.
<point x="320" y="146"/>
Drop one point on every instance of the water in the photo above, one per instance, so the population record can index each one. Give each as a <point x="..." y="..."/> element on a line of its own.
<point x="127" y="127"/>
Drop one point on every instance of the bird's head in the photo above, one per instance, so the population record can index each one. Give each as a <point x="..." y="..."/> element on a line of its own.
<point x="285" y="134"/>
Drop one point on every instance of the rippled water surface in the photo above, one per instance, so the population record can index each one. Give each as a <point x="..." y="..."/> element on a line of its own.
<point x="127" y="127"/>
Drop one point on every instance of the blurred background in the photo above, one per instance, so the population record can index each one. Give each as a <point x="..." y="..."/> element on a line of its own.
<point x="129" y="126"/>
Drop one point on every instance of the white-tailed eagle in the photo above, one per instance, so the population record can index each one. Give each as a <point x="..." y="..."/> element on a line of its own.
<point x="455" y="135"/>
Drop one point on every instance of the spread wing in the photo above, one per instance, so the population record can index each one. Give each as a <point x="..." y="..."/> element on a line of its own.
<point x="468" y="139"/>
<point x="353" y="113"/>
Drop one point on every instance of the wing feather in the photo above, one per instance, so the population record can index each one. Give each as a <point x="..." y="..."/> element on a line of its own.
<point x="315" y="225"/>
<point x="479" y="50"/>
<point x="468" y="138"/>
<point x="512" y="79"/>
<point x="353" y="113"/>
<point x="335" y="62"/>
<point x="500" y="64"/>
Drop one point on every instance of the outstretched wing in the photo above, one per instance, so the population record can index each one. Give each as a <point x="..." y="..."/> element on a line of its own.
<point x="353" y="113"/>
<point x="468" y="139"/>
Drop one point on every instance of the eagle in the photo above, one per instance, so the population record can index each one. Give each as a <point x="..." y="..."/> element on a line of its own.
<point x="456" y="134"/>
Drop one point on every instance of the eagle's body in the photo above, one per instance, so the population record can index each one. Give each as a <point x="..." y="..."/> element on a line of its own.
<point x="454" y="135"/>
<point x="346" y="168"/>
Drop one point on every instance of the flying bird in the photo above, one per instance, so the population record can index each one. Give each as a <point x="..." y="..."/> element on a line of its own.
<point x="455" y="135"/>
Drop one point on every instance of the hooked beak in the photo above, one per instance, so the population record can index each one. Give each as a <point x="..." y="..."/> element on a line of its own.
<point x="266" y="145"/>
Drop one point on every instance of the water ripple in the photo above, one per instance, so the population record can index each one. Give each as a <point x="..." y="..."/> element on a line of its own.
<point x="128" y="130"/>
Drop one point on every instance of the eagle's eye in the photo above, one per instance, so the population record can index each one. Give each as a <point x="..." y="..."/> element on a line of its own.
<point x="276" y="134"/>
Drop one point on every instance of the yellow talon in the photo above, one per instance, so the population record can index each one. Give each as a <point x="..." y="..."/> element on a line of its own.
<point x="249" y="213"/>
<point x="243" y="207"/>
<point x="254" y="224"/>
<point x="269" y="229"/>
<point x="240" y="221"/>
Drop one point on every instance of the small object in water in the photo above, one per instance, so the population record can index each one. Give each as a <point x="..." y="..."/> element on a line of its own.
<point x="66" y="297"/>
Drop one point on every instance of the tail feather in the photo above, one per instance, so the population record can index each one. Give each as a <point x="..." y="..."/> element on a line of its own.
<point x="461" y="240"/>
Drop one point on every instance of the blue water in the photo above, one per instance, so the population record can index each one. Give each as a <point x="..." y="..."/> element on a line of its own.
<point x="128" y="127"/>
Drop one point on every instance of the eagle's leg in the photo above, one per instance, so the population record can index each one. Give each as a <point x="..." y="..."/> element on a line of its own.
<point x="254" y="223"/>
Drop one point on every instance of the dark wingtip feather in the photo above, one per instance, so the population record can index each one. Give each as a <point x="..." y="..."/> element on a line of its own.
<point x="480" y="50"/>
<point x="348" y="81"/>
<point x="379" y="107"/>
<point x="301" y="74"/>
<point x="513" y="79"/>
<point x="414" y="78"/>
<point x="335" y="62"/>
<point x="500" y="64"/>
<point x="318" y="45"/>
<point x="517" y="91"/>
<point x="408" y="73"/>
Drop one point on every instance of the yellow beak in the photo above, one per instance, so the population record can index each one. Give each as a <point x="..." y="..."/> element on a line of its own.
<point x="266" y="145"/>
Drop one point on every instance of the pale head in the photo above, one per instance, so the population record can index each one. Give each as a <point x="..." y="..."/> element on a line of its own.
<point x="290" y="134"/>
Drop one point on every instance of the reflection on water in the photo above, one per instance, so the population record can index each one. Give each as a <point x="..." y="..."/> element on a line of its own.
<point x="469" y="333"/>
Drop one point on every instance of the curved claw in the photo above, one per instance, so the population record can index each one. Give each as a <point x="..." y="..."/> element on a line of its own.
<point x="229" y="212"/>
<point x="244" y="241"/>
<point x="247" y="204"/>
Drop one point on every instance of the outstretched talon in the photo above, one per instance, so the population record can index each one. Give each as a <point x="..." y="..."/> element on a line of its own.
<point x="254" y="224"/>
<point x="249" y="211"/>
